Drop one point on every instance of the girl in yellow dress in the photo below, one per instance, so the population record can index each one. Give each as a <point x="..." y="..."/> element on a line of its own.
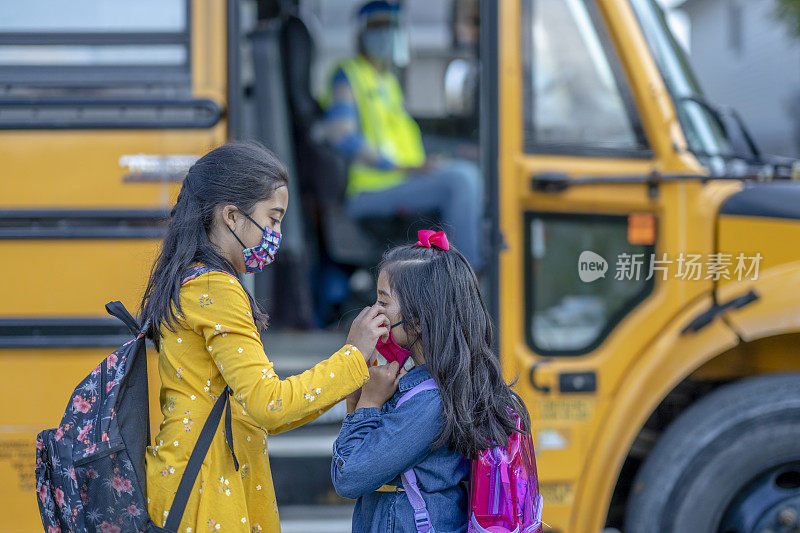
<point x="206" y="325"/>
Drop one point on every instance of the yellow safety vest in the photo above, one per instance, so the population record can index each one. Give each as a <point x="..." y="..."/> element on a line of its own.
<point x="385" y="125"/>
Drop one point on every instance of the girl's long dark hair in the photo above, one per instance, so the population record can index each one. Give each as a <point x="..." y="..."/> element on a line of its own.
<point x="237" y="173"/>
<point x="440" y="301"/>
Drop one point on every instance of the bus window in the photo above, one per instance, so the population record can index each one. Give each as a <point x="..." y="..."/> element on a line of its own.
<point x="110" y="48"/>
<point x="95" y="16"/>
<point x="570" y="311"/>
<point x="575" y="94"/>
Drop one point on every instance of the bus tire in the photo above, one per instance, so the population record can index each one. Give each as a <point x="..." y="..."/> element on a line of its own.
<point x="712" y="451"/>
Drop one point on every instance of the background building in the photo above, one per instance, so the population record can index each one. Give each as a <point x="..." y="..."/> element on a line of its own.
<point x="745" y="58"/>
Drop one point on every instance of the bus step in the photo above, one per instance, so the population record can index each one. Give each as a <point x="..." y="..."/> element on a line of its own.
<point x="300" y="461"/>
<point x="294" y="352"/>
<point x="316" y="518"/>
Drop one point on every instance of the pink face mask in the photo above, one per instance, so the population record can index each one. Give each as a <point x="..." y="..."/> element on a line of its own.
<point x="392" y="351"/>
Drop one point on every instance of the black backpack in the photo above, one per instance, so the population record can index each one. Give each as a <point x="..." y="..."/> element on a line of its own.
<point x="90" y="470"/>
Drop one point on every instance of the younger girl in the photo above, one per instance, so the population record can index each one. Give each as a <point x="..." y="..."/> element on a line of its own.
<point x="438" y="317"/>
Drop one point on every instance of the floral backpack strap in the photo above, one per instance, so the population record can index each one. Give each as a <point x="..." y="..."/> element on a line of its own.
<point x="196" y="271"/>
<point x="422" y="519"/>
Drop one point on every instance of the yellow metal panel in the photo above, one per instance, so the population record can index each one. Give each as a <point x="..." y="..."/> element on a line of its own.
<point x="665" y="363"/>
<point x="777" y="309"/>
<point x="72" y="277"/>
<point x="773" y="238"/>
<point x="35" y="399"/>
<point x="80" y="169"/>
<point x="209" y="49"/>
<point x="778" y="353"/>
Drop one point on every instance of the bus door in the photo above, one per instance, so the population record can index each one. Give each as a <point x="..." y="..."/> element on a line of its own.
<point x="579" y="134"/>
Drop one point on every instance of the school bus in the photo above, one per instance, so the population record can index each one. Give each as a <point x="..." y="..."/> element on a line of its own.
<point x="643" y="258"/>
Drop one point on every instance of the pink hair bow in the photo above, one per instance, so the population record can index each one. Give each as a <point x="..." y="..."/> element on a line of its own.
<point x="427" y="238"/>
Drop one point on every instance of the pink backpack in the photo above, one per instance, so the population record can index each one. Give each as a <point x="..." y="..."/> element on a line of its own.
<point x="504" y="488"/>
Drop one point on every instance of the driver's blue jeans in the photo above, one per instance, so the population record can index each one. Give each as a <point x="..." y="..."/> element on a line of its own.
<point x="454" y="189"/>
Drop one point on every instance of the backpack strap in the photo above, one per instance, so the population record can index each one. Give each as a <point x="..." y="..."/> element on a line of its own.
<point x="422" y="518"/>
<point x="428" y="384"/>
<point x="198" y="270"/>
<point x="199" y="453"/>
<point x="116" y="309"/>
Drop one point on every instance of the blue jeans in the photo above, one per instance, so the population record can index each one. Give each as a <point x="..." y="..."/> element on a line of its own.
<point x="454" y="189"/>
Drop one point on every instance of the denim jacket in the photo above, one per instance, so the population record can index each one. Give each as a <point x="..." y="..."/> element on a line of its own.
<point x="376" y="445"/>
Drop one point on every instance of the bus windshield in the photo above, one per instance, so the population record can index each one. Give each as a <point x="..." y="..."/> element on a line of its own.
<point x="703" y="133"/>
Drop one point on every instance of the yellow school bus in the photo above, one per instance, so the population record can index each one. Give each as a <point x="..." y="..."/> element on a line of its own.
<point x="102" y="111"/>
<point x="643" y="263"/>
<point x="643" y="280"/>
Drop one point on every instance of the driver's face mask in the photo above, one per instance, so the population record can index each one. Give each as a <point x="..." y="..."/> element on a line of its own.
<point x="387" y="44"/>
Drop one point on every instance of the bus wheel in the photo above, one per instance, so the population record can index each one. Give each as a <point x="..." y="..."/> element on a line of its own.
<point x="729" y="464"/>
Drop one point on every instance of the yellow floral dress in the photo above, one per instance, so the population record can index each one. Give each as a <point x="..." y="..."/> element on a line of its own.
<point x="218" y="345"/>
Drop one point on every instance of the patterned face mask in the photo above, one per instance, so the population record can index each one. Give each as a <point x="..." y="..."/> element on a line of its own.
<point x="257" y="257"/>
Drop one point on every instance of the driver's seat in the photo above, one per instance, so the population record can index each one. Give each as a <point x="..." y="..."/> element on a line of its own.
<point x="321" y="170"/>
